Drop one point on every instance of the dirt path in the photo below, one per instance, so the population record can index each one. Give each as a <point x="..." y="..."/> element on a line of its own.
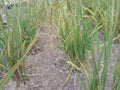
<point x="46" y="67"/>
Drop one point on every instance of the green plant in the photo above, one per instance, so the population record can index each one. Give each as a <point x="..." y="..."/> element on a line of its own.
<point x="99" y="7"/>
<point x="17" y="64"/>
<point x="0" y="23"/>
<point x="116" y="74"/>
<point x="78" y="27"/>
<point x="97" y="79"/>
<point x="78" y="23"/>
<point x="22" y="27"/>
<point x="117" y="19"/>
<point x="75" y="31"/>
